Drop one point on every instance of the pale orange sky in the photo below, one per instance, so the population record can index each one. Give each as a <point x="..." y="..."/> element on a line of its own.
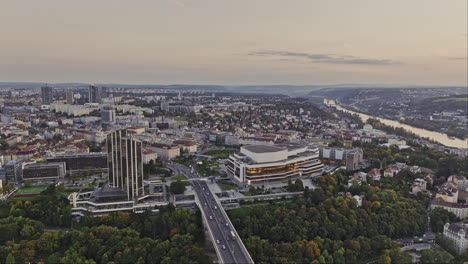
<point x="417" y="42"/>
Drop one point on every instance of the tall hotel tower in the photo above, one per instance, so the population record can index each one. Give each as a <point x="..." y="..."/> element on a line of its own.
<point x="47" y="95"/>
<point x="125" y="160"/>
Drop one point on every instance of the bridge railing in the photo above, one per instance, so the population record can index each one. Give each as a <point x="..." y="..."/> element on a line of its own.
<point x="218" y="251"/>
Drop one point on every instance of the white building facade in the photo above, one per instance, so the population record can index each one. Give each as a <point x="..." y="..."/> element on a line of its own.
<point x="259" y="164"/>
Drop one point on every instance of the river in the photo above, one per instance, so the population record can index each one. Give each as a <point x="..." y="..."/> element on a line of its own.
<point x="436" y="136"/>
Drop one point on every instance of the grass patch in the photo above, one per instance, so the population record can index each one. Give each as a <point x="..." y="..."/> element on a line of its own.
<point x="25" y="198"/>
<point x="226" y="187"/>
<point x="179" y="177"/>
<point x="218" y="153"/>
<point x="32" y="189"/>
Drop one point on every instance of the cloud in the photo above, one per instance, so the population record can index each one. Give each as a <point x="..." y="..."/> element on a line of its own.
<point x="179" y="3"/>
<point x="325" y="58"/>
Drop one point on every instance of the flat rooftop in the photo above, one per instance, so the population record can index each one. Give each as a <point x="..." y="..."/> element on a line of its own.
<point x="262" y="148"/>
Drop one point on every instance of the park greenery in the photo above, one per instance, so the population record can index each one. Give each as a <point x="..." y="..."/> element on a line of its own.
<point x="297" y="186"/>
<point x="220" y="153"/>
<point x="439" y="217"/>
<point x="208" y="168"/>
<point x="186" y="160"/>
<point x="155" y="168"/>
<point x="323" y="227"/>
<point x="171" y="236"/>
<point x="442" y="164"/>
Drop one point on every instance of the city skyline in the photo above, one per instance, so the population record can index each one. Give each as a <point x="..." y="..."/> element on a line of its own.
<point x="235" y="43"/>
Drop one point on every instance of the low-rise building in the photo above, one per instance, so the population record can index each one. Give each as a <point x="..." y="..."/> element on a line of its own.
<point x="458" y="209"/>
<point x="107" y="199"/>
<point x="374" y="174"/>
<point x="82" y="162"/>
<point x="419" y="185"/>
<point x="149" y="156"/>
<point x="448" y="192"/>
<point x="166" y="152"/>
<point x="47" y="171"/>
<point x="357" y="179"/>
<point x="186" y="145"/>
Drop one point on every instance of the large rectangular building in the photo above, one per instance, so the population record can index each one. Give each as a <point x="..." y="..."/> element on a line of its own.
<point x="166" y="152"/>
<point x="125" y="162"/>
<point x="354" y="159"/>
<point x="82" y="162"/>
<point x="46" y="171"/>
<point x="256" y="164"/>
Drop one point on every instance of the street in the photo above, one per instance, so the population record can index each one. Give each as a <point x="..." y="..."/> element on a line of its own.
<point x="229" y="248"/>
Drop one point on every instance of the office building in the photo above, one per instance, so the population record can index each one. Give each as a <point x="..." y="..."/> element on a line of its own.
<point x="125" y="163"/>
<point x="257" y="164"/>
<point x="14" y="171"/>
<point x="332" y="154"/>
<point x="104" y="92"/>
<point x="3" y="177"/>
<point x="70" y="98"/>
<point x="47" y="171"/>
<point x="47" y="95"/>
<point x="82" y="162"/>
<point x="354" y="159"/>
<point x="94" y="94"/>
<point x="108" y="116"/>
<point x="166" y="152"/>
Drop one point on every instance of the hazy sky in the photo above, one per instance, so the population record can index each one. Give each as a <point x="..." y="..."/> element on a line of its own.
<point x="235" y="41"/>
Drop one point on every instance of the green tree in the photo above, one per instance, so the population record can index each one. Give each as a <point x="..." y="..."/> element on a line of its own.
<point x="177" y="187"/>
<point x="435" y="257"/>
<point x="439" y="217"/>
<point x="10" y="259"/>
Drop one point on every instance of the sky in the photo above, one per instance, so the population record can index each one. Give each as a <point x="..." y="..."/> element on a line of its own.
<point x="235" y="42"/>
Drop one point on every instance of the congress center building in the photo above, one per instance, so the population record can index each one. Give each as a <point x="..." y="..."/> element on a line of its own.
<point x="257" y="164"/>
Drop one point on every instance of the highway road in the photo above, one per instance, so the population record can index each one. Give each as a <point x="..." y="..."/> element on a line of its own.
<point x="229" y="248"/>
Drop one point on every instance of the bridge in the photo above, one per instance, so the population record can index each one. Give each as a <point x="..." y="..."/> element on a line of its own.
<point x="228" y="246"/>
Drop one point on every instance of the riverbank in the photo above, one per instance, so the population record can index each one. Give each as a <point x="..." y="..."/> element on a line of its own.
<point x="441" y="138"/>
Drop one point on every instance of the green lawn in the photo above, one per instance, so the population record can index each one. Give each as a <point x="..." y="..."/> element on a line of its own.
<point x="226" y="187"/>
<point x="218" y="153"/>
<point x="32" y="189"/>
<point x="239" y="212"/>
